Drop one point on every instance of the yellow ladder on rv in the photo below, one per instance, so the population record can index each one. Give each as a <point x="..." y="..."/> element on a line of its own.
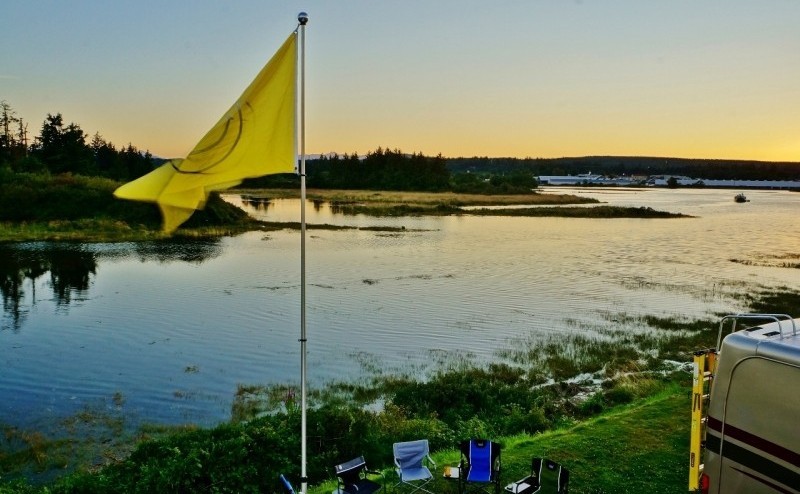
<point x="703" y="368"/>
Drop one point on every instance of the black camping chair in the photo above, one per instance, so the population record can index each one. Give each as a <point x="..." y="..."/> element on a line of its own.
<point x="479" y="469"/>
<point x="547" y="477"/>
<point x="352" y="477"/>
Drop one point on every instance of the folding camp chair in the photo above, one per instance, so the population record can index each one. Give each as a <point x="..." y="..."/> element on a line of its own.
<point x="552" y="477"/>
<point x="479" y="469"/>
<point x="547" y="477"/>
<point x="287" y="486"/>
<point x="410" y="458"/>
<point x="352" y="477"/>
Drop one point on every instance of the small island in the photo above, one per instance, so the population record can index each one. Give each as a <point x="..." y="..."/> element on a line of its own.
<point x="70" y="207"/>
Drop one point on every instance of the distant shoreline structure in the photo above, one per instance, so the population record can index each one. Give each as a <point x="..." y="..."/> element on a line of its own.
<point x="664" y="181"/>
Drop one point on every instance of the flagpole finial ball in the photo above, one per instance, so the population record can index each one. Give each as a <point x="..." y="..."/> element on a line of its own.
<point x="302" y="18"/>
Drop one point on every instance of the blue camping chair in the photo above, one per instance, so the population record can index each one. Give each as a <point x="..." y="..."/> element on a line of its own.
<point x="547" y="477"/>
<point x="287" y="486"/>
<point x="352" y="477"/>
<point x="479" y="469"/>
<point x="409" y="459"/>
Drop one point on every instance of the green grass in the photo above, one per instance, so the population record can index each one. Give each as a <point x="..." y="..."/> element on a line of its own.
<point x="635" y="448"/>
<point x="76" y="208"/>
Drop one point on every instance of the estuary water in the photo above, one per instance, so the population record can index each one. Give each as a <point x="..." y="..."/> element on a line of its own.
<point x="165" y="331"/>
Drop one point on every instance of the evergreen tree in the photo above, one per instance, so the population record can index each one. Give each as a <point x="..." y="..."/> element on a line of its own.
<point x="105" y="157"/>
<point x="63" y="149"/>
<point x="7" y="119"/>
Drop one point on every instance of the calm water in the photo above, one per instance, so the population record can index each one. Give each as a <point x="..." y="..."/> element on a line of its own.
<point x="172" y="328"/>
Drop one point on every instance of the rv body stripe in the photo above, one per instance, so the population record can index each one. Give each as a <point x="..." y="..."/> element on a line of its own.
<point x="752" y="460"/>
<point x="750" y="439"/>
<point x="768" y="484"/>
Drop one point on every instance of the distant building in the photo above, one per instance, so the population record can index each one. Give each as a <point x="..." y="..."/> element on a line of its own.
<point x="583" y="179"/>
<point x="663" y="181"/>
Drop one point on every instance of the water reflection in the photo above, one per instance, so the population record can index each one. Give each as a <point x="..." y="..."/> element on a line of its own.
<point x="71" y="271"/>
<point x="257" y="203"/>
<point x="193" y="251"/>
<point x="72" y="268"/>
<point x="262" y="205"/>
<point x="176" y="338"/>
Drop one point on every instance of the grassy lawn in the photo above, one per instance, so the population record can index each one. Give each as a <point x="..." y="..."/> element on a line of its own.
<point x="641" y="447"/>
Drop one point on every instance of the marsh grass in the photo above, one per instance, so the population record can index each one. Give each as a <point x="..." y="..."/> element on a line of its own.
<point x="84" y="439"/>
<point x="579" y="212"/>
<point x="76" y="208"/>
<point x="393" y="204"/>
<point x="423" y="199"/>
<point x="791" y="260"/>
<point x="776" y="300"/>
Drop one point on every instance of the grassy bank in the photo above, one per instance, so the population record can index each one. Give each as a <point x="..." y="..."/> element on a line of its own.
<point x="613" y="409"/>
<point x="532" y="401"/>
<point x="637" y="447"/>
<point x="422" y="199"/>
<point x="75" y="208"/>
<point x="633" y="448"/>
<point x="385" y="203"/>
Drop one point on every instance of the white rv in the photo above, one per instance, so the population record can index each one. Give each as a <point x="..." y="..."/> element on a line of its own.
<point x="751" y="421"/>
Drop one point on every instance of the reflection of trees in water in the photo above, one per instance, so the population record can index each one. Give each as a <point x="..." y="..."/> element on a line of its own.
<point x="11" y="278"/>
<point x="70" y="272"/>
<point x="69" y="268"/>
<point x="257" y="203"/>
<point x="196" y="251"/>
<point x="262" y="205"/>
<point x="343" y="208"/>
<point x="72" y="266"/>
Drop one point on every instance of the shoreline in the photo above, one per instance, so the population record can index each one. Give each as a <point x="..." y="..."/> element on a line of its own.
<point x="370" y="203"/>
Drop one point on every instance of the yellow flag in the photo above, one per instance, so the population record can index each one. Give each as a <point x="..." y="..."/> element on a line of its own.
<point x="255" y="137"/>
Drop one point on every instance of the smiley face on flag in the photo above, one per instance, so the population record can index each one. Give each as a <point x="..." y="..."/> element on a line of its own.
<point x="255" y="137"/>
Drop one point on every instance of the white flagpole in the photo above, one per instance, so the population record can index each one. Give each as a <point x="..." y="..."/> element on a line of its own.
<point x="302" y="18"/>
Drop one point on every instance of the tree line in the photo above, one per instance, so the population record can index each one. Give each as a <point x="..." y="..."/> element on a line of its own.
<point x="382" y="169"/>
<point x="65" y="148"/>
<point x="391" y="169"/>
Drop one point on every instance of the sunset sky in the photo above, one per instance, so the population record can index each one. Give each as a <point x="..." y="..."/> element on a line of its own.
<point x="685" y="78"/>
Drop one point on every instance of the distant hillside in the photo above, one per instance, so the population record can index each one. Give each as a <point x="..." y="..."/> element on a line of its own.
<point x="632" y="165"/>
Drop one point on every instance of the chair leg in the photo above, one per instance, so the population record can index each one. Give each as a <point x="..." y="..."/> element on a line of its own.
<point x="416" y="487"/>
